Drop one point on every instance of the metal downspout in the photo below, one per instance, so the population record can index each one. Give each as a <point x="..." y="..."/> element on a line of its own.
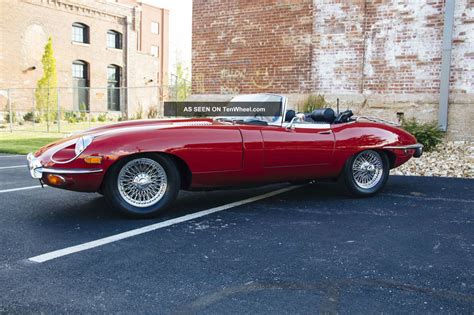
<point x="126" y="80"/>
<point x="446" y="64"/>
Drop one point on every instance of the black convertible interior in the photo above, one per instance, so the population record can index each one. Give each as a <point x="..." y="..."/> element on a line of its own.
<point x="323" y="115"/>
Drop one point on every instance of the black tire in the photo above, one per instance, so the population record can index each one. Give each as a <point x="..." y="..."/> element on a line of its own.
<point x="353" y="186"/>
<point x="117" y="201"/>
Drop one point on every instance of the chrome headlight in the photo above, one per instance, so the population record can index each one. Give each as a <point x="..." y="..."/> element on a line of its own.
<point x="82" y="143"/>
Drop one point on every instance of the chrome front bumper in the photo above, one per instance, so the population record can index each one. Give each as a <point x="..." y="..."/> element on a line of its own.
<point x="37" y="170"/>
<point x="418" y="147"/>
<point x="33" y="165"/>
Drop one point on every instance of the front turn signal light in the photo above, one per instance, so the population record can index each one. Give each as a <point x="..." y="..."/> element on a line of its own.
<point x="93" y="159"/>
<point x="55" y="180"/>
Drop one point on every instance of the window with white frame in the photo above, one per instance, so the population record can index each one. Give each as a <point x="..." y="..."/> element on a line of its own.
<point x="114" y="39"/>
<point x="155" y="27"/>
<point x="80" y="33"/>
<point x="155" y="51"/>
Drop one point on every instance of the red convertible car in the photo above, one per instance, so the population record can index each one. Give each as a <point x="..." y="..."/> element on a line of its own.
<point x="139" y="166"/>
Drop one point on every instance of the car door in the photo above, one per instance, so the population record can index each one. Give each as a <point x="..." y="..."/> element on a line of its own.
<point x="303" y="150"/>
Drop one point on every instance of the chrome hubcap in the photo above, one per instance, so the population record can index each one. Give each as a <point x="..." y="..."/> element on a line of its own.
<point x="367" y="169"/>
<point x="142" y="182"/>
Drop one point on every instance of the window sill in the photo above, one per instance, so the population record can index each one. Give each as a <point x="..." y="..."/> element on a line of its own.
<point x="80" y="44"/>
<point x="114" y="49"/>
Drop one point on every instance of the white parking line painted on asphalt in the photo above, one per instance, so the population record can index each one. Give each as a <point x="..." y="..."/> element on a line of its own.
<point x="13" y="155"/>
<point x="117" y="237"/>
<point x="15" y="166"/>
<point x="21" y="188"/>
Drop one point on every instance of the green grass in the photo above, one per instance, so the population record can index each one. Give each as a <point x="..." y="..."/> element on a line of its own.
<point x="25" y="142"/>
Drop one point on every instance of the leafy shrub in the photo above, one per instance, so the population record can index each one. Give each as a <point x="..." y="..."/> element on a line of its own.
<point x="6" y="116"/>
<point x="102" y="117"/>
<point x="71" y="117"/>
<point x="152" y="112"/>
<point x="72" y="120"/>
<point x="427" y="134"/>
<point x="313" y="102"/>
<point x="83" y="111"/>
<point x="28" y="116"/>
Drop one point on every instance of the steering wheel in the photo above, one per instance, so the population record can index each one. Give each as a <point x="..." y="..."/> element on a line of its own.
<point x="258" y="116"/>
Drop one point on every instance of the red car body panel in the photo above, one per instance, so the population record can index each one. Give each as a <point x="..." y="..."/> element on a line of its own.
<point x="219" y="154"/>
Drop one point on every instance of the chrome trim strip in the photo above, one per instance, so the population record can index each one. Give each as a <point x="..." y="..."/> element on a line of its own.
<point x="404" y="147"/>
<point x="308" y="125"/>
<point x="377" y="120"/>
<point x="68" y="170"/>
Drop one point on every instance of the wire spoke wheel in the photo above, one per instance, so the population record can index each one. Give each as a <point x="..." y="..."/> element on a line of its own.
<point x="367" y="169"/>
<point x="142" y="182"/>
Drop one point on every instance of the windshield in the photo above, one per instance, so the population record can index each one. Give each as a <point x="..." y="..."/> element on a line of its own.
<point x="270" y="105"/>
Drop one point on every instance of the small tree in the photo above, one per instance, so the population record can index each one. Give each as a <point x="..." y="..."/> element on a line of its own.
<point x="183" y="85"/>
<point x="46" y="87"/>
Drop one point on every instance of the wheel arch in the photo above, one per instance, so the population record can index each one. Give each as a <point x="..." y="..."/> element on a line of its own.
<point x="183" y="168"/>
<point x="390" y="155"/>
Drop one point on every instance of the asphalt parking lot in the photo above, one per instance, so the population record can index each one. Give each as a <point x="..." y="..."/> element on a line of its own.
<point x="309" y="249"/>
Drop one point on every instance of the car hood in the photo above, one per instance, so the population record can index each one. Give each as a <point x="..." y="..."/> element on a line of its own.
<point x="135" y="125"/>
<point x="126" y="126"/>
<point x="155" y="123"/>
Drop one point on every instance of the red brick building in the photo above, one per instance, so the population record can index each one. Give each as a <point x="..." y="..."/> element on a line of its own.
<point x="103" y="48"/>
<point x="380" y="57"/>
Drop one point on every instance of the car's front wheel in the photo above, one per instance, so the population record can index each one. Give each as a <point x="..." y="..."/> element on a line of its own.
<point x="366" y="173"/>
<point x="143" y="186"/>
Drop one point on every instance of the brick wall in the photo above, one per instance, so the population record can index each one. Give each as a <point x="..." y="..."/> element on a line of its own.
<point x="384" y="55"/>
<point x="252" y="46"/>
<point x="403" y="47"/>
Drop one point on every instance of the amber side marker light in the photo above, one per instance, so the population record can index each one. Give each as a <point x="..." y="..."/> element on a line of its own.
<point x="93" y="159"/>
<point x="55" y="180"/>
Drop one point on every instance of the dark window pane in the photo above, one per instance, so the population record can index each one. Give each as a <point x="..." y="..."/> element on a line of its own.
<point x="112" y="73"/>
<point x="114" y="40"/>
<point x="80" y="33"/>
<point x="113" y="91"/>
<point x="78" y="71"/>
<point x="80" y="85"/>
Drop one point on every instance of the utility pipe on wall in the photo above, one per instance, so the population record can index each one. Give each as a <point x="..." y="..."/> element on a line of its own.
<point x="446" y="64"/>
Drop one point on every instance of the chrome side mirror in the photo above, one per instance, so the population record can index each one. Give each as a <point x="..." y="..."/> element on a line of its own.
<point x="300" y="117"/>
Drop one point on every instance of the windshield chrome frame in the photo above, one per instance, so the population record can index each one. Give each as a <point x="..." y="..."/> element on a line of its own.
<point x="279" y="122"/>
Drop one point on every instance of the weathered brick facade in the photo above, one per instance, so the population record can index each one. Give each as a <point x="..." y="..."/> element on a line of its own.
<point x="240" y="46"/>
<point x="379" y="57"/>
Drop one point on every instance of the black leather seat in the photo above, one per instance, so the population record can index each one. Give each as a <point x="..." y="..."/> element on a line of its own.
<point x="323" y="115"/>
<point x="290" y="114"/>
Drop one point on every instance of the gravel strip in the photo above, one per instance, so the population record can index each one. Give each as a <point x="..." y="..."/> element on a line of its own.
<point x="451" y="159"/>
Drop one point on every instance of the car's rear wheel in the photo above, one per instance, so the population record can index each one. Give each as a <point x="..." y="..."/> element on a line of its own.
<point x="366" y="173"/>
<point x="143" y="186"/>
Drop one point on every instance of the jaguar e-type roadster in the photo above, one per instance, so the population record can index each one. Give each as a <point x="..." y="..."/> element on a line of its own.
<point x="139" y="166"/>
